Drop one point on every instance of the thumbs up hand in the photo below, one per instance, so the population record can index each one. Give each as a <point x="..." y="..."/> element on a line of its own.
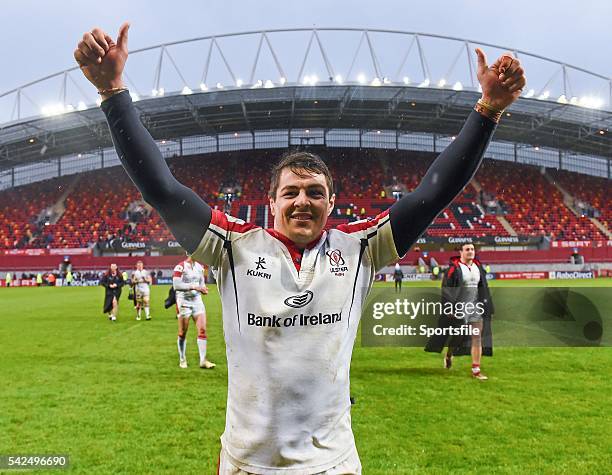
<point x="101" y="59"/>
<point x="502" y="82"/>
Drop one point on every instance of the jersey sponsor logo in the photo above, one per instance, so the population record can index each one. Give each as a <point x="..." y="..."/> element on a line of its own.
<point x="260" y="264"/>
<point x="296" y="320"/>
<point x="299" y="301"/>
<point x="255" y="273"/>
<point x="336" y="262"/>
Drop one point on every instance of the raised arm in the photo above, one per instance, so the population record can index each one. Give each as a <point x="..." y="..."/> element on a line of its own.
<point x="453" y="169"/>
<point x="102" y="62"/>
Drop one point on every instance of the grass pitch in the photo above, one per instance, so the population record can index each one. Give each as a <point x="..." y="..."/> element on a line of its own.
<point x="112" y="397"/>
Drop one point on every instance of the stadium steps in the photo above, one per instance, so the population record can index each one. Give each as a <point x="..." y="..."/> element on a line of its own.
<point x="506" y="225"/>
<point x="568" y="198"/>
<point x="503" y="221"/>
<point x="601" y="226"/>
<point x="59" y="207"/>
<point x="477" y="186"/>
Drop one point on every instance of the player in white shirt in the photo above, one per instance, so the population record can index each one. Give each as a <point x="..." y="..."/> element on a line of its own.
<point x="141" y="280"/>
<point x="469" y="290"/>
<point x="188" y="282"/>
<point x="291" y="295"/>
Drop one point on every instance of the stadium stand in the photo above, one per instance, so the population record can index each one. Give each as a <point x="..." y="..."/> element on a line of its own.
<point x="534" y="206"/>
<point x="104" y="206"/>
<point x="592" y="195"/>
<point x="23" y="213"/>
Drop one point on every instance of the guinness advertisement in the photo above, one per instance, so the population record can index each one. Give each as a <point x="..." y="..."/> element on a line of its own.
<point x="487" y="240"/>
<point x="172" y="245"/>
<point x="169" y="245"/>
<point x="128" y="246"/>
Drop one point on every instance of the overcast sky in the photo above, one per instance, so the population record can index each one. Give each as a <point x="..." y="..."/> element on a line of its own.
<point x="37" y="37"/>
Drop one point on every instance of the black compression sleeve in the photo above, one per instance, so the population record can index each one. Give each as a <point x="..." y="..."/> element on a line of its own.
<point x="186" y="214"/>
<point x="450" y="172"/>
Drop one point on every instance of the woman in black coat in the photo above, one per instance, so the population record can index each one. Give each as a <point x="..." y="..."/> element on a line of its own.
<point x="112" y="281"/>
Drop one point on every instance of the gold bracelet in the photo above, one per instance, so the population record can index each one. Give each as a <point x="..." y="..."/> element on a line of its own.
<point x="486" y="105"/>
<point x="487" y="112"/>
<point x="111" y="91"/>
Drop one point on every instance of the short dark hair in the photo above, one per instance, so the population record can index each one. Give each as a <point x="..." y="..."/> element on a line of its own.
<point x="303" y="164"/>
<point x="466" y="244"/>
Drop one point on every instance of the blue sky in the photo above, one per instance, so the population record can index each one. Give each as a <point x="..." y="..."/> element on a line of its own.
<point x="37" y="37"/>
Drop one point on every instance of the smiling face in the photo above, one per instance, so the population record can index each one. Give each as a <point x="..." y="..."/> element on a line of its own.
<point x="301" y="205"/>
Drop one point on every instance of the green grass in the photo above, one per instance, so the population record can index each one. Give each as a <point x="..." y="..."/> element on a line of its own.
<point x="113" y="398"/>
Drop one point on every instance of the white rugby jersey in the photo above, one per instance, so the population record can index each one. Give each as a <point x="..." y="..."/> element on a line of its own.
<point x="186" y="275"/>
<point x="139" y="277"/>
<point x="470" y="274"/>
<point x="290" y="322"/>
<point x="470" y="280"/>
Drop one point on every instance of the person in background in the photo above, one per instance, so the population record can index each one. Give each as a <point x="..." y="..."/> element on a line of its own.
<point x="398" y="275"/>
<point x="189" y="285"/>
<point x="464" y="283"/>
<point x="141" y="280"/>
<point x="112" y="281"/>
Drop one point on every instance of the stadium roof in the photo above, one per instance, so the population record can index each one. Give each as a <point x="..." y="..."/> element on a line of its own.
<point x="364" y="99"/>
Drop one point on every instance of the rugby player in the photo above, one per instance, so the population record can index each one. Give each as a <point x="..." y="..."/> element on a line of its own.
<point x="465" y="281"/>
<point x="112" y="282"/>
<point x="141" y="279"/>
<point x="291" y="295"/>
<point x="188" y="282"/>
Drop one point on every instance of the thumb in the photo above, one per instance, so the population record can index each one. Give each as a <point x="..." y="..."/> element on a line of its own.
<point x="122" y="37"/>
<point x="482" y="61"/>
